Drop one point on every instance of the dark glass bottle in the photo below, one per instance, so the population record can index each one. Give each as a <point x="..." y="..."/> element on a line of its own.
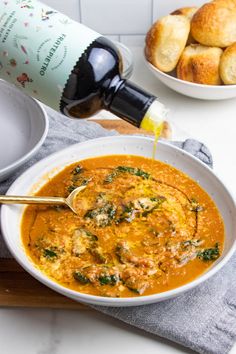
<point x="68" y="66"/>
<point x="96" y="83"/>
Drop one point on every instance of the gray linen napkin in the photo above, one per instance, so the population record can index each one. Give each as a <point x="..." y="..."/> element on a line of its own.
<point x="203" y="319"/>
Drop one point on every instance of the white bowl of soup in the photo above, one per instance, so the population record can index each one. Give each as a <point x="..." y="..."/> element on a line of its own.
<point x="145" y="231"/>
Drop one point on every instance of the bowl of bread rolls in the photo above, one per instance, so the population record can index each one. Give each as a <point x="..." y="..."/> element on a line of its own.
<point x="193" y="50"/>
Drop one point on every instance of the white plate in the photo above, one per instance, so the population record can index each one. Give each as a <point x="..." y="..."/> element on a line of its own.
<point x="37" y="175"/>
<point x="204" y="92"/>
<point x="23" y="128"/>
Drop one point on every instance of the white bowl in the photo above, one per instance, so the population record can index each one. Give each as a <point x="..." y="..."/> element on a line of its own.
<point x="200" y="91"/>
<point x="127" y="59"/>
<point x="37" y="175"/>
<point x="23" y="128"/>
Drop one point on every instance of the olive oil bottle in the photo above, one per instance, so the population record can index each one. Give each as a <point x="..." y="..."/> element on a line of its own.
<point x="68" y="66"/>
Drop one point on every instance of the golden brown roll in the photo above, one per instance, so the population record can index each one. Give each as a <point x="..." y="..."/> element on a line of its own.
<point x="166" y="40"/>
<point x="185" y="11"/>
<point x="214" y="24"/>
<point x="228" y="3"/>
<point x="200" y="64"/>
<point x="228" y="65"/>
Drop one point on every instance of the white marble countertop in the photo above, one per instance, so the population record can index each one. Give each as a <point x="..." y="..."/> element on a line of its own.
<point x="32" y="331"/>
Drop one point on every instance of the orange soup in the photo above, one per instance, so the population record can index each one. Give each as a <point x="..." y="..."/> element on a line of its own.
<point x="142" y="227"/>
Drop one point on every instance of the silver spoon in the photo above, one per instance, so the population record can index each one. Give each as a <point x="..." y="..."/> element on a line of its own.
<point x="69" y="201"/>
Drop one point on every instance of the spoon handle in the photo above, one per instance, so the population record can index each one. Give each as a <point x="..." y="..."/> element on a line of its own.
<point x="11" y="199"/>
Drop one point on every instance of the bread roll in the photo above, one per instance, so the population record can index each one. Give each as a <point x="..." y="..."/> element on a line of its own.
<point x="166" y="40"/>
<point x="214" y="24"/>
<point x="227" y="3"/>
<point x="200" y="64"/>
<point x="228" y="65"/>
<point x="185" y="11"/>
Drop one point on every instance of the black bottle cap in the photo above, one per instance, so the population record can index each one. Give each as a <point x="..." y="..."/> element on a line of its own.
<point x="130" y="103"/>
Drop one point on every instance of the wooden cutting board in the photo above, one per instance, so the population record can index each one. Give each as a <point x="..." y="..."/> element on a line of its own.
<point x="19" y="289"/>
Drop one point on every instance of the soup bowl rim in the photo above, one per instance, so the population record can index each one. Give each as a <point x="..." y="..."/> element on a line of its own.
<point x="34" y="270"/>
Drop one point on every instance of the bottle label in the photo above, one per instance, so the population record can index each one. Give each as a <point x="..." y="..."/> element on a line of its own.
<point x="39" y="48"/>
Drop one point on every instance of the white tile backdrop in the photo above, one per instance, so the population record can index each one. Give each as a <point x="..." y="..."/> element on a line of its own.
<point x="123" y="20"/>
